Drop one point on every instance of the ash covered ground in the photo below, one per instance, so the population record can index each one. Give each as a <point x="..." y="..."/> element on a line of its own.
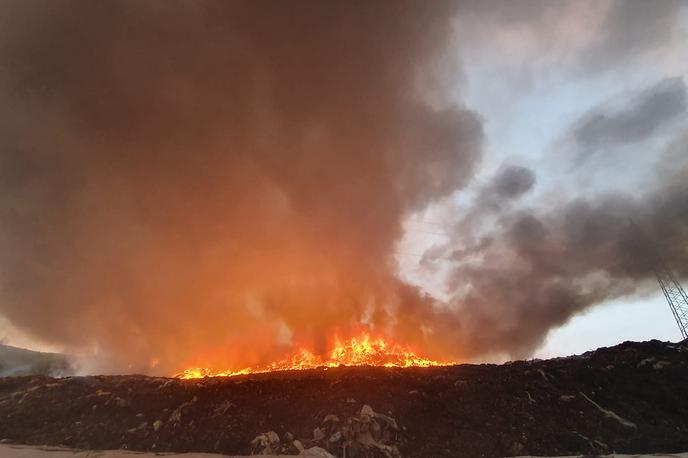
<point x="632" y="398"/>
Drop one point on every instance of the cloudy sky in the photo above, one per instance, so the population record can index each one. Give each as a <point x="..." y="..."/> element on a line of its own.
<point x="591" y="98"/>
<point x="219" y="182"/>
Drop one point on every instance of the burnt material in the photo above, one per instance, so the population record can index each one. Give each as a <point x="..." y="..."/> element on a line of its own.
<point x="632" y="398"/>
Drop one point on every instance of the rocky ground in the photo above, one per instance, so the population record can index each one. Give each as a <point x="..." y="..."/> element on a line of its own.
<point x="632" y="398"/>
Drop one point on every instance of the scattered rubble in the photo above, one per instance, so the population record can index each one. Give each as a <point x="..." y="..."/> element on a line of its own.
<point x="631" y="398"/>
<point x="365" y="435"/>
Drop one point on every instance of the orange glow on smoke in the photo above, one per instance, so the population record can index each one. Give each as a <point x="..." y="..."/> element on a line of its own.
<point x="358" y="351"/>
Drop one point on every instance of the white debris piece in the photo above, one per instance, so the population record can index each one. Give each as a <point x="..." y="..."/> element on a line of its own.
<point x="544" y="376"/>
<point x="610" y="414"/>
<point x="367" y="411"/>
<point x="266" y="443"/>
<point x="272" y="437"/>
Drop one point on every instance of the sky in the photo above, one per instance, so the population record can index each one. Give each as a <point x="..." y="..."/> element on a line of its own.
<point x="218" y="183"/>
<point x="534" y="76"/>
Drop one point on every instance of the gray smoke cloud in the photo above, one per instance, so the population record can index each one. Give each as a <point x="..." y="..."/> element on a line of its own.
<point x="531" y="44"/>
<point x="638" y="119"/>
<point x="634" y="30"/>
<point x="511" y="182"/>
<point x="520" y="269"/>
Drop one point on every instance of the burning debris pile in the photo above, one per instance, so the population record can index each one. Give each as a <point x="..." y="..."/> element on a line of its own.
<point x="368" y="434"/>
<point x="357" y="351"/>
<point x="631" y="398"/>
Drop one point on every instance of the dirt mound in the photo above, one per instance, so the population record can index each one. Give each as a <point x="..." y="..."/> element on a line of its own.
<point x="632" y="398"/>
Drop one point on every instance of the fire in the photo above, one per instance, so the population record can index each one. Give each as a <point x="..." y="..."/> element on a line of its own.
<point x="357" y="351"/>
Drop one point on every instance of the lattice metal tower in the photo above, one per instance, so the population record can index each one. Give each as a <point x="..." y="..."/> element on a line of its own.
<point x="672" y="289"/>
<point x="675" y="295"/>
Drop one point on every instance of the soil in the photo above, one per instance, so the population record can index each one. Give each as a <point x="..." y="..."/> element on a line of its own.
<point x="631" y="398"/>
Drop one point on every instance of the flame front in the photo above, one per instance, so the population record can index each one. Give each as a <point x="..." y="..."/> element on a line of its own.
<point x="358" y="351"/>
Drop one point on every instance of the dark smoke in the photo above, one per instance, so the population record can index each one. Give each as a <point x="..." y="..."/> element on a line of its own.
<point x="211" y="182"/>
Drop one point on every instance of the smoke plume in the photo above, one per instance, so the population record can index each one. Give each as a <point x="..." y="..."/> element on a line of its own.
<point x="216" y="182"/>
<point x="213" y="182"/>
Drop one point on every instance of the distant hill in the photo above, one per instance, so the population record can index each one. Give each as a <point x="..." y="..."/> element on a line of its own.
<point x="20" y="361"/>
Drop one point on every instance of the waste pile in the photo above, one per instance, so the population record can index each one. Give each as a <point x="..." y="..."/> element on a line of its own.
<point x="631" y="398"/>
<point x="368" y="434"/>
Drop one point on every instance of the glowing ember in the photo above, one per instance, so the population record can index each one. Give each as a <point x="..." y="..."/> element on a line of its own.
<point x="358" y="351"/>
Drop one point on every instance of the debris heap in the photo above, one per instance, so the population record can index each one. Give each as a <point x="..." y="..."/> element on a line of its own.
<point x="632" y="398"/>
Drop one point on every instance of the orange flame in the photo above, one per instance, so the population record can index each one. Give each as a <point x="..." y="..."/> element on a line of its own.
<point x="358" y="351"/>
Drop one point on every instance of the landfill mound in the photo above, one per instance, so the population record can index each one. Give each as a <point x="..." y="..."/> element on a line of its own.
<point x="631" y="398"/>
